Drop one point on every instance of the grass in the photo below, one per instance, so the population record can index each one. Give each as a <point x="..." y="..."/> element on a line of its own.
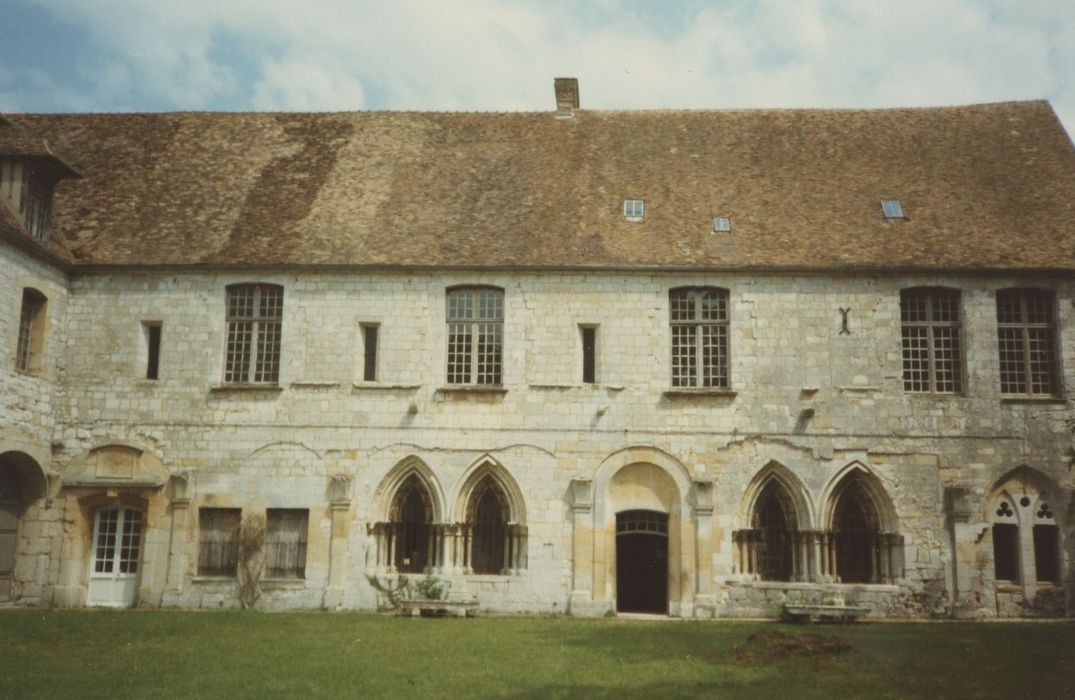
<point x="165" y="654"/>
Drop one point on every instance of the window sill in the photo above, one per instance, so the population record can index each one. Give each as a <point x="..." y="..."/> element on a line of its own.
<point x="1046" y="400"/>
<point x="594" y="386"/>
<point x="283" y="583"/>
<point x="31" y="373"/>
<point x="934" y="395"/>
<point x="313" y="385"/>
<point x="686" y="393"/>
<point x="473" y="389"/>
<point x="254" y="388"/>
<point x="212" y="579"/>
<point x="375" y="386"/>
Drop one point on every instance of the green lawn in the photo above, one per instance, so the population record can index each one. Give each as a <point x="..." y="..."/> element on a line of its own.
<point x="157" y="654"/>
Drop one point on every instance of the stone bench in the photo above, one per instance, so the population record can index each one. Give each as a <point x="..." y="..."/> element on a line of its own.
<point x="438" y="608"/>
<point x="816" y="613"/>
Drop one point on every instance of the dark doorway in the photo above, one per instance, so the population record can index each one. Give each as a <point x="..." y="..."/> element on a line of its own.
<point x="642" y="562"/>
<point x="856" y="529"/>
<point x="411" y="525"/>
<point x="10" y="509"/>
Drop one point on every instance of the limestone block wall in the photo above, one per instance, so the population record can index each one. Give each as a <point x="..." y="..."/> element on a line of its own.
<point x="28" y="417"/>
<point x="806" y="396"/>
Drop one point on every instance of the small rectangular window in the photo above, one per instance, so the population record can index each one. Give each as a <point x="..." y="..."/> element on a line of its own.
<point x="369" y="355"/>
<point x="218" y="541"/>
<point x="152" y="330"/>
<point x="892" y="208"/>
<point x="31" y="337"/>
<point x="589" y="354"/>
<point x="1006" y="552"/>
<point x="633" y="209"/>
<point x="285" y="542"/>
<point x="722" y="223"/>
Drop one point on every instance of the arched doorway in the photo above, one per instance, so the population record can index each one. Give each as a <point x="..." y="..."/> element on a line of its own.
<point x="117" y="549"/>
<point x="642" y="561"/>
<point x="21" y="482"/>
<point x="10" y="509"/>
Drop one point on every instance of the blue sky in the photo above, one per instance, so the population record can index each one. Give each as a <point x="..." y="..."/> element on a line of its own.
<point x="145" y="55"/>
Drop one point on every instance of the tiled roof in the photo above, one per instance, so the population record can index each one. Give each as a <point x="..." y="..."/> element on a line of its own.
<point x="986" y="186"/>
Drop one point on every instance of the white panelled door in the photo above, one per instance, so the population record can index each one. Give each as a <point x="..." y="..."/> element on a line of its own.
<point x="117" y="543"/>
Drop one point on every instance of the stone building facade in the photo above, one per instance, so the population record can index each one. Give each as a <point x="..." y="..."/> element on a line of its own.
<point x="614" y="416"/>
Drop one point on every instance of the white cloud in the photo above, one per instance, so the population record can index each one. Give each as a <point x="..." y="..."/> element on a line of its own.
<point x="503" y="54"/>
<point x="306" y="84"/>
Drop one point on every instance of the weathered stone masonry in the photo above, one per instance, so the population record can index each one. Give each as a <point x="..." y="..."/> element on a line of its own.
<point x="324" y="440"/>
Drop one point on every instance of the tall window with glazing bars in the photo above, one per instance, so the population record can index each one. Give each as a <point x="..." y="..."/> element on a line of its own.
<point x="1026" y="335"/>
<point x="475" y="336"/>
<point x="699" y="317"/>
<point x="254" y="317"/>
<point x="932" y="330"/>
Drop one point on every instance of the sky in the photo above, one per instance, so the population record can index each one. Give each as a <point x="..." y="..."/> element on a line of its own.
<point x="501" y="55"/>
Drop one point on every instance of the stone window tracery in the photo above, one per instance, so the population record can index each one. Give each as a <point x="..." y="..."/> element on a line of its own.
<point x="1026" y="536"/>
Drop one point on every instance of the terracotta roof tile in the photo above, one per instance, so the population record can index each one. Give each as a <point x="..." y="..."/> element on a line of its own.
<point x="986" y="186"/>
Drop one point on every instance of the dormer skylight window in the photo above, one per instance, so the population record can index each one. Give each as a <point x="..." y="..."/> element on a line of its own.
<point x="633" y="209"/>
<point x="722" y="224"/>
<point x="892" y="208"/>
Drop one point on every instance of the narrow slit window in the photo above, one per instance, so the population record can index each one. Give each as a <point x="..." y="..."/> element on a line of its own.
<point x="153" y="349"/>
<point x="31" y="338"/>
<point x="589" y="354"/>
<point x="369" y="355"/>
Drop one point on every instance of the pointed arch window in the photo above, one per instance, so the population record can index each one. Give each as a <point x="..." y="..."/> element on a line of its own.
<point x="490" y="528"/>
<point x="857" y="531"/>
<point x="411" y="525"/>
<point x="857" y="546"/>
<point x="494" y="537"/>
<point x="1026" y="537"/>
<point x="775" y="528"/>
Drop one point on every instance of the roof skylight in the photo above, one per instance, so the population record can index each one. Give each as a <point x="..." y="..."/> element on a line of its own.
<point x="722" y="223"/>
<point x="633" y="209"/>
<point x="892" y="208"/>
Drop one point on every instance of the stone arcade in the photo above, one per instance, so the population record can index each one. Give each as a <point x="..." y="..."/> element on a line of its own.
<point x="695" y="363"/>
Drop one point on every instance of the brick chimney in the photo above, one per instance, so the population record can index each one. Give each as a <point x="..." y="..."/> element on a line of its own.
<point x="567" y="97"/>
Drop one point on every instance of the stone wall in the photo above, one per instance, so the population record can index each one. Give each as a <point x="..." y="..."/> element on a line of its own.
<point x="806" y="397"/>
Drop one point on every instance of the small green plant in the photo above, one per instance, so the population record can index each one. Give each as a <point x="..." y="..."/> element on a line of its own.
<point x="429" y="588"/>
